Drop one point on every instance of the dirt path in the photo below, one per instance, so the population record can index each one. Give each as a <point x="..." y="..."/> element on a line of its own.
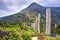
<point x="34" y="38"/>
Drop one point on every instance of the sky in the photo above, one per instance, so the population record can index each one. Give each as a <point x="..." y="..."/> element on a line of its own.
<point x="9" y="7"/>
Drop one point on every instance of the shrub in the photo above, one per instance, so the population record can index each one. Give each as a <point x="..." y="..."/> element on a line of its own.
<point x="10" y="33"/>
<point x="27" y="35"/>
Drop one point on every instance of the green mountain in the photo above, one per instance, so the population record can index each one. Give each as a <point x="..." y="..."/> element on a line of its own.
<point x="30" y="13"/>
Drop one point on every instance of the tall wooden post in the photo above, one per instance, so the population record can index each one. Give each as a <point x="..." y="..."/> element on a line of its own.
<point x="39" y="22"/>
<point x="48" y="21"/>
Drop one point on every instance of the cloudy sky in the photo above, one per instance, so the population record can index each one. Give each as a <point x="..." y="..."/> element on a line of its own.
<point x="9" y="7"/>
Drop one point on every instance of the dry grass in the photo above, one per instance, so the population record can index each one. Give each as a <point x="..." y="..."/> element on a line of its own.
<point x="42" y="37"/>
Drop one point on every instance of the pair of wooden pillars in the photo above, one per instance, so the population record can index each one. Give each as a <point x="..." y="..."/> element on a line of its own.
<point x="48" y="22"/>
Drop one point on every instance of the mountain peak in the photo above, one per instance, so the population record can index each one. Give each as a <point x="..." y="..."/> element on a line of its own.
<point x="34" y="6"/>
<point x="34" y="3"/>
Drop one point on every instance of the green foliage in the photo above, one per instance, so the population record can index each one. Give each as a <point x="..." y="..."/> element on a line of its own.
<point x="10" y="33"/>
<point x="13" y="32"/>
<point x="27" y="35"/>
<point x="57" y="30"/>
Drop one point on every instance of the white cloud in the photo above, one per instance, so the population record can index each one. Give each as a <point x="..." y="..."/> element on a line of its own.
<point x="6" y="13"/>
<point x="52" y="3"/>
<point x="14" y="6"/>
<point x="3" y="12"/>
